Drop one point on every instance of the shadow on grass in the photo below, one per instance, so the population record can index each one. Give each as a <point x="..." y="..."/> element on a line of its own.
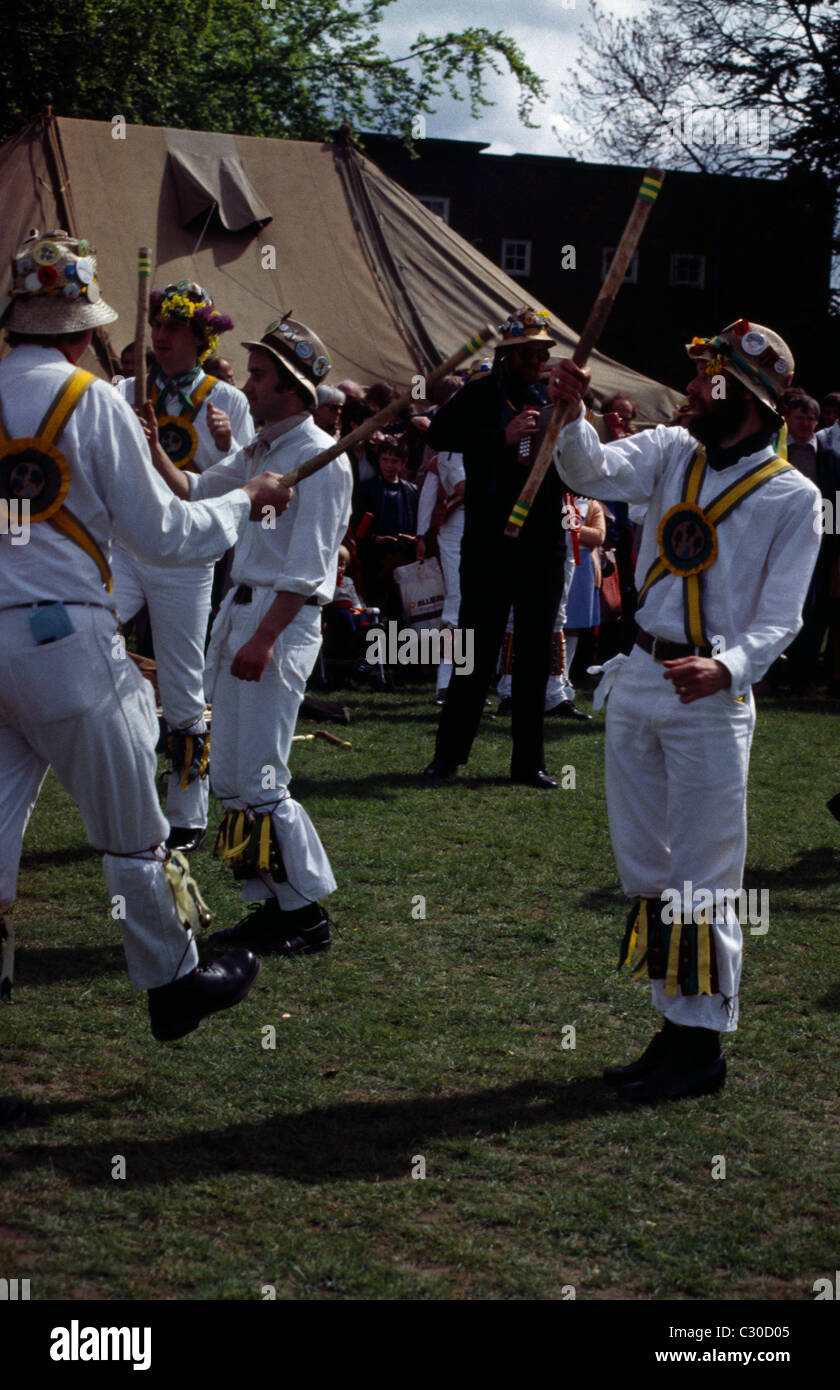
<point x="73" y="854"/>
<point x="363" y="1140"/>
<point x="46" y="964"/>
<point x="830" y="1001"/>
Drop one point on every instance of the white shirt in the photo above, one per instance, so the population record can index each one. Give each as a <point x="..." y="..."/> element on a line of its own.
<point x="450" y="472"/>
<point x="752" y="595"/>
<point x="114" y="491"/>
<point x="298" y="554"/>
<point x="225" y="397"/>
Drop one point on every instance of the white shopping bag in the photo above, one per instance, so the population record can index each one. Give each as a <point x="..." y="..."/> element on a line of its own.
<point x="422" y="591"/>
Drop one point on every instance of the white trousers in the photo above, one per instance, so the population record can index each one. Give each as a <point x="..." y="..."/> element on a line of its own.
<point x="677" y="800"/>
<point x="449" y="549"/>
<point x="253" y="724"/>
<point x="80" y="706"/>
<point x="179" y="610"/>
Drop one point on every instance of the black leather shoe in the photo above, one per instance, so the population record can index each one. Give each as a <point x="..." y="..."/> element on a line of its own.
<point x="534" y="779"/>
<point x="177" y="1009"/>
<point x="440" y="771"/>
<point x="675" y="1078"/>
<point x="306" y="932"/>
<point x="270" y="932"/>
<point x="834" y="806"/>
<point x="566" y="710"/>
<point x="186" y="838"/>
<point x="505" y="705"/>
<point x="654" y="1053"/>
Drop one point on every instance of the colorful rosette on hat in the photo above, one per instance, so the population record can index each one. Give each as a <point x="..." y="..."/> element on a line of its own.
<point x="54" y="286"/>
<point x="525" y="325"/>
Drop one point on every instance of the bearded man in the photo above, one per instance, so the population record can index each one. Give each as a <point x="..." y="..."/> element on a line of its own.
<point x="726" y="555"/>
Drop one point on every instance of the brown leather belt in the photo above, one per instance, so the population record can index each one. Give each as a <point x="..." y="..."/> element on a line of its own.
<point x="667" y="651"/>
<point x="245" y="593"/>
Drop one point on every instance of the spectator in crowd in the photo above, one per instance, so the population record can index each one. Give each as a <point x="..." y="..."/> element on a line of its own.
<point x="345" y="617"/>
<point x="583" y="605"/>
<point x="830" y="410"/>
<point x="220" y="368"/>
<point x="626" y="410"/>
<point x="385" y="521"/>
<point x="495" y="422"/>
<point x="813" y="456"/>
<point x="441" y="517"/>
<point x="327" y="415"/>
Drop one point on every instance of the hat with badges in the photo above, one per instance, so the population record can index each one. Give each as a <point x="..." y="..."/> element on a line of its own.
<point x="753" y="354"/>
<point x="188" y="301"/>
<point x="54" y="286"/>
<point x="525" y="325"/>
<point x="299" y="350"/>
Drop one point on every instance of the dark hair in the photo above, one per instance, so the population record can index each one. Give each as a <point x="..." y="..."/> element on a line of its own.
<point x="799" y="401"/>
<point x="392" y="444"/>
<point x="380" y="394"/>
<point x="832" y="399"/>
<point x="16" y="339"/>
<point x="287" y="382"/>
<point x="443" y="388"/>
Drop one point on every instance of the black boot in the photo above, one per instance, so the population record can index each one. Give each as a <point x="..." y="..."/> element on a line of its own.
<point x="269" y="931"/>
<point x="653" y="1054"/>
<point x="693" y="1065"/>
<point x="178" y="1008"/>
<point x="258" y="931"/>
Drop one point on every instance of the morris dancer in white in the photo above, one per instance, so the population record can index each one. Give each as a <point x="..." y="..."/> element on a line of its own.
<point x="200" y="420"/>
<point x="265" y="643"/>
<point x="72" y="451"/>
<point x="724" y="564"/>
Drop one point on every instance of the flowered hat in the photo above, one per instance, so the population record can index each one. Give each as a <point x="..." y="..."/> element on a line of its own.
<point x="525" y="325"/>
<point x="189" y="302"/>
<point x="753" y="354"/>
<point x="299" y="350"/>
<point x="54" y="286"/>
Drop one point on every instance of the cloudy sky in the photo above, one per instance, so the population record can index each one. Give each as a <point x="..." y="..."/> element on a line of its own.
<point x="548" y="33"/>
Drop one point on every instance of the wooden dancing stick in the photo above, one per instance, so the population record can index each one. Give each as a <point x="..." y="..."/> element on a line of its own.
<point x="144" y="271"/>
<point x="365" y="430"/>
<point x="601" y="310"/>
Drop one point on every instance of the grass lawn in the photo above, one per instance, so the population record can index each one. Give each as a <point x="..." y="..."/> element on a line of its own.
<point x="437" y="1042"/>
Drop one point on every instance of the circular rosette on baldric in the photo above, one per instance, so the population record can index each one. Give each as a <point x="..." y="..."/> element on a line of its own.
<point x="687" y="540"/>
<point x="36" y="473"/>
<point x="178" y="439"/>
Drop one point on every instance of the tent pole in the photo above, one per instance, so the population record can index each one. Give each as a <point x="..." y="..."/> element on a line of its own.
<point x="64" y="204"/>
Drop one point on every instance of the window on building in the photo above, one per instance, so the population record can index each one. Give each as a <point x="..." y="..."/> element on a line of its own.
<point x="688" y="270"/>
<point x="516" y="257"/>
<point x="439" y="206"/>
<point x="632" y="276"/>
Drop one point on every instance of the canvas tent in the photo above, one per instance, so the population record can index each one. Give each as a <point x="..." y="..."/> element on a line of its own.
<point x="270" y="226"/>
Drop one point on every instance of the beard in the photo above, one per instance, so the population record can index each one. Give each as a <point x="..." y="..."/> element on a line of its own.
<point x="717" y="420"/>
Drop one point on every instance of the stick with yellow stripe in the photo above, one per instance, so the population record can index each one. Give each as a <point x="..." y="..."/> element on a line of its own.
<point x="403" y="402"/>
<point x="601" y="310"/>
<point x="144" y="271"/>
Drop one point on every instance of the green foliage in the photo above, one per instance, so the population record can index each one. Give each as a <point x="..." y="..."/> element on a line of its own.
<point x="293" y="70"/>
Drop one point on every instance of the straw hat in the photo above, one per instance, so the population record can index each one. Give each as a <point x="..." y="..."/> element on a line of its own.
<point x="299" y="350"/>
<point x="753" y="354"/>
<point x="525" y="325"/>
<point x="55" y="287"/>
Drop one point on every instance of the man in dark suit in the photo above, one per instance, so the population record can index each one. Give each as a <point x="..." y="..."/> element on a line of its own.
<point x="496" y="422"/>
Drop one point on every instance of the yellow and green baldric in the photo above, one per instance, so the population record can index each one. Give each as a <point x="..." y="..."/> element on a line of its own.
<point x="177" y="432"/>
<point x="34" y="471"/>
<point x="687" y="537"/>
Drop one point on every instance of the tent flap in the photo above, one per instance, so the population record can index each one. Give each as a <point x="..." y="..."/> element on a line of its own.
<point x="208" y="173"/>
